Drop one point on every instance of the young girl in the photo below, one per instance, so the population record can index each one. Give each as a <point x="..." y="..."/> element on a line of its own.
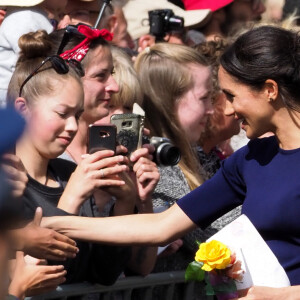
<point x="177" y="82"/>
<point x="48" y="92"/>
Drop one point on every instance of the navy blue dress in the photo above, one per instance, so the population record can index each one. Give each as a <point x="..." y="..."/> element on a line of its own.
<point x="266" y="181"/>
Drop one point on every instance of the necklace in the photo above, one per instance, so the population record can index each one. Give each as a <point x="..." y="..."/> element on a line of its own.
<point x="71" y="156"/>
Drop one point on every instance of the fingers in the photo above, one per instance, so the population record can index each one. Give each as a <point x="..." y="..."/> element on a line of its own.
<point x="53" y="271"/>
<point x="62" y="238"/>
<point x="13" y="160"/>
<point x="150" y="179"/>
<point x="38" y="216"/>
<point x="104" y="163"/>
<point x="178" y="243"/>
<point x="107" y="172"/>
<point x="121" y="149"/>
<point x="30" y="260"/>
<point x="54" y="280"/>
<point x="144" y="164"/>
<point x="65" y="247"/>
<point x="50" y="278"/>
<point x="146" y="131"/>
<point x="150" y="148"/>
<point x="19" y="257"/>
<point x="61" y="248"/>
<point x="14" y="173"/>
<point x="60" y="255"/>
<point x="142" y="152"/>
<point x="110" y="182"/>
<point x="90" y="158"/>
<point x="18" y="187"/>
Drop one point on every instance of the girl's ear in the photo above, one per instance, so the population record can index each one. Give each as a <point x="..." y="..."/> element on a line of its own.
<point x="21" y="106"/>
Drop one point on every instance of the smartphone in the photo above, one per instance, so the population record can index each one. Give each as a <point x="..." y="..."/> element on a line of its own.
<point x="102" y="137"/>
<point x="129" y="130"/>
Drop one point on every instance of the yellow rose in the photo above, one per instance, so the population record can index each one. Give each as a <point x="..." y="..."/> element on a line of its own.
<point x="214" y="255"/>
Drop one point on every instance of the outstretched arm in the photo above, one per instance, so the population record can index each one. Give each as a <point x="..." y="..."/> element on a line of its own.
<point x="147" y="229"/>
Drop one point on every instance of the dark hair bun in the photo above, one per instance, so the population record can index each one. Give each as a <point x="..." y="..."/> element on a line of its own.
<point x="35" y="44"/>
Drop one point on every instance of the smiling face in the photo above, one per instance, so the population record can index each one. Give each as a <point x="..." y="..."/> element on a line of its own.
<point x="53" y="119"/>
<point x="250" y="107"/>
<point x="195" y="106"/>
<point x="98" y="84"/>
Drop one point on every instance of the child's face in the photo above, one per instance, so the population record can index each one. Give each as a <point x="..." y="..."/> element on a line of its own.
<point x="53" y="119"/>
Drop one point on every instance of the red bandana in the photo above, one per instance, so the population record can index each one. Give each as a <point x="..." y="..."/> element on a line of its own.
<point x="79" y="52"/>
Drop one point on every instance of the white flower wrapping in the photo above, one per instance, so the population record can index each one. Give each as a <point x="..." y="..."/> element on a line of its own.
<point x="259" y="265"/>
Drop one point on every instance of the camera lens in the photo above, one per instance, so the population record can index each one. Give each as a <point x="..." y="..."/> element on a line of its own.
<point x="176" y="23"/>
<point x="168" y="154"/>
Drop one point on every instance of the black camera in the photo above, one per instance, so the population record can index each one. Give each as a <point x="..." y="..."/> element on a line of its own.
<point x="165" y="152"/>
<point x="163" y="21"/>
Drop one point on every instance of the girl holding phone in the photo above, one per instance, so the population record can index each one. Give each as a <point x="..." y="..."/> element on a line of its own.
<point x="47" y="91"/>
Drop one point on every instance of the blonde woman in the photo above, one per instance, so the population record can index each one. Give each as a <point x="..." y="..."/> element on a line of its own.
<point x="177" y="83"/>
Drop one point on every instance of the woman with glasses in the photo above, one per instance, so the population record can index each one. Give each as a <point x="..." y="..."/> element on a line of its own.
<point x="48" y="92"/>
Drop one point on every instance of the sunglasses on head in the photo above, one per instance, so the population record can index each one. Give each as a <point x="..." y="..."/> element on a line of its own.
<point x="70" y="30"/>
<point x="60" y="66"/>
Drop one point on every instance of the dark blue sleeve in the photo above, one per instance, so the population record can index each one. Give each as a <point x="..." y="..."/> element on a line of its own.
<point x="223" y="192"/>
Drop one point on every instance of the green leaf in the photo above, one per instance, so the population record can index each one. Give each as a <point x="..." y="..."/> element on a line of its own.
<point x="198" y="243"/>
<point x="227" y="287"/>
<point x="209" y="289"/>
<point x="194" y="271"/>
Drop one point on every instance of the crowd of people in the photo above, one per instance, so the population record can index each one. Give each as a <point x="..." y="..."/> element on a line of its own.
<point x="68" y="215"/>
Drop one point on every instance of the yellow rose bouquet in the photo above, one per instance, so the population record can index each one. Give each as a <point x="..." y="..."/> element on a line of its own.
<point x="217" y="265"/>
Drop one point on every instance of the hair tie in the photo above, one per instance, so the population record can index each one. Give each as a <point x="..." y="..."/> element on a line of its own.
<point x="79" y="52"/>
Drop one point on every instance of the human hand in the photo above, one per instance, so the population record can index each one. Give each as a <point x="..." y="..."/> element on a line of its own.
<point x="43" y="243"/>
<point x="31" y="279"/>
<point x="95" y="171"/>
<point x="126" y="195"/>
<point x="146" y="173"/>
<point x="225" y="148"/>
<point x="171" y="248"/>
<point x="16" y="173"/>
<point x="124" y="192"/>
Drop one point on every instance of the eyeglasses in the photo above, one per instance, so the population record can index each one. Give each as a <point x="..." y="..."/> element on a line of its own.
<point x="60" y="65"/>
